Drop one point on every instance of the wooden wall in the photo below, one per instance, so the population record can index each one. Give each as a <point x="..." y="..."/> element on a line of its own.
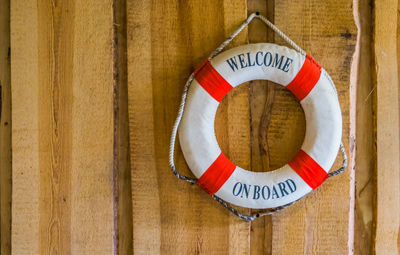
<point x="62" y="127"/>
<point x="90" y="91"/>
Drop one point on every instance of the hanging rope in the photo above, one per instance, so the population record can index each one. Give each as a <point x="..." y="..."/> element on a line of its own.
<point x="182" y="107"/>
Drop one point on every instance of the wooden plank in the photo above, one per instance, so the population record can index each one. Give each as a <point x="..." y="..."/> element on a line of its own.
<point x="365" y="133"/>
<point x="261" y="97"/>
<point x="122" y="171"/>
<point x="387" y="124"/>
<point x="236" y="118"/>
<point x="145" y="201"/>
<point x="62" y="94"/>
<point x="5" y="129"/>
<point x="25" y="139"/>
<point x="320" y="222"/>
<point x="166" y="41"/>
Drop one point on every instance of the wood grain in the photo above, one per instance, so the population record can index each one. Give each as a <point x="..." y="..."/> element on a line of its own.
<point x="62" y="93"/>
<point x="122" y="170"/>
<point x="365" y="166"/>
<point x="166" y="41"/>
<point x="5" y="129"/>
<point x="320" y="223"/>
<point x="25" y="138"/>
<point x="387" y="124"/>
<point x="80" y="68"/>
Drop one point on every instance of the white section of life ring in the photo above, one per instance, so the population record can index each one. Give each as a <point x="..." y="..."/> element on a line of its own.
<point x="261" y="190"/>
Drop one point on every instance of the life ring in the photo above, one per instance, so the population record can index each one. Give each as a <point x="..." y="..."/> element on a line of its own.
<point x="306" y="80"/>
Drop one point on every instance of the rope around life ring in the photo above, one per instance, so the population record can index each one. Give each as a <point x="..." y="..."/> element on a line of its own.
<point x="220" y="73"/>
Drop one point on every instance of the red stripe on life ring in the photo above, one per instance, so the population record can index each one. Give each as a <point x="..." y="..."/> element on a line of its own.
<point x="305" y="79"/>
<point x="216" y="175"/>
<point x="308" y="169"/>
<point x="212" y="81"/>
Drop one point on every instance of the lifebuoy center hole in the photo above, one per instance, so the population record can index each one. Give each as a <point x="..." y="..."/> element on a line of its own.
<point x="260" y="126"/>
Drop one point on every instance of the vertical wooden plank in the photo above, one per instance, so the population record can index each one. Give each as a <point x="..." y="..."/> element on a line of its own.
<point x="5" y="129"/>
<point x="387" y="107"/>
<point x="145" y="195"/>
<point x="55" y="56"/>
<point x="62" y="93"/>
<point x="25" y="137"/>
<point x="233" y="123"/>
<point x="166" y="41"/>
<point x="365" y="133"/>
<point x="92" y="127"/>
<point x="261" y="97"/>
<point x="320" y="223"/>
<point x="122" y="171"/>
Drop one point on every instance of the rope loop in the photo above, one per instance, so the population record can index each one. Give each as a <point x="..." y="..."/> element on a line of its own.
<point x="182" y="107"/>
